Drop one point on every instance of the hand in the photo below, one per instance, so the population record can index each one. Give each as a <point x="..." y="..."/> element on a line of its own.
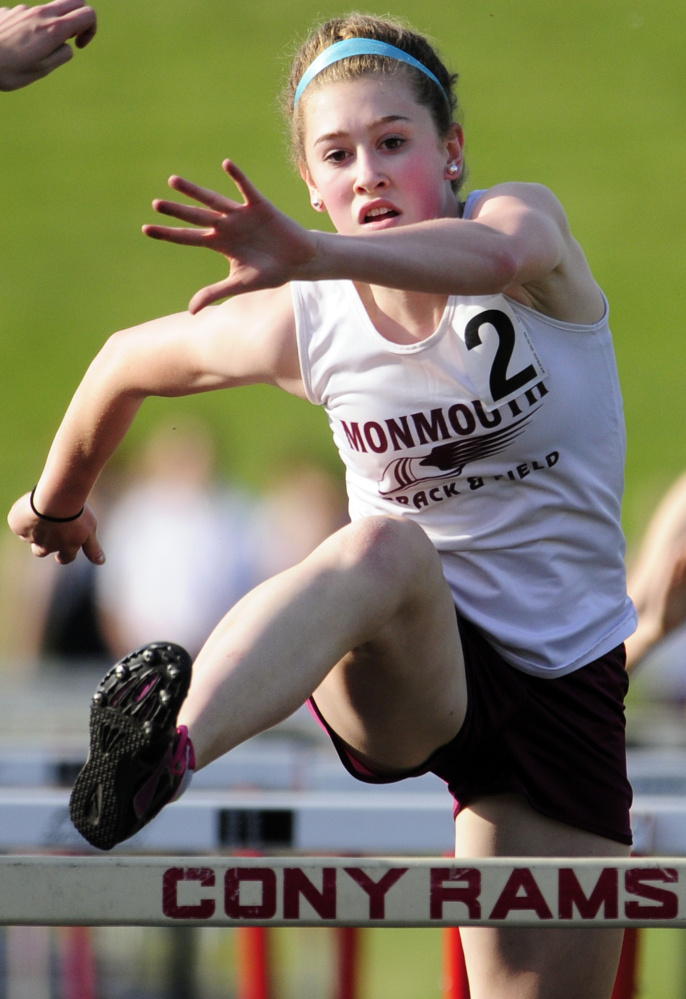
<point x="662" y="609"/>
<point x="264" y="247"/>
<point x="657" y="583"/>
<point x="672" y="599"/>
<point x="33" y="40"/>
<point x="64" y="540"/>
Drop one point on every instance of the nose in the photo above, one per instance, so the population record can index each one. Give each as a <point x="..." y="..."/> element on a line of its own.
<point x="369" y="176"/>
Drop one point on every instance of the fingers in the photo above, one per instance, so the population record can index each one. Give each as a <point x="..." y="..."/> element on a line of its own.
<point x="40" y="551"/>
<point x="213" y="293"/>
<point x="81" y="24"/>
<point x="217" y="207"/>
<point x="66" y="556"/>
<point x="187" y="213"/>
<point x="206" y="218"/>
<point x="205" y="195"/>
<point x="61" y="7"/>
<point x="182" y="237"/>
<point x="83" y="38"/>
<point x="244" y="185"/>
<point x="93" y="551"/>
<point x="74" y="20"/>
<point x="58" y="57"/>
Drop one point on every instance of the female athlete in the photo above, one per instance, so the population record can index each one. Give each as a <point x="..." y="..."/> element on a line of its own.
<point x="470" y="619"/>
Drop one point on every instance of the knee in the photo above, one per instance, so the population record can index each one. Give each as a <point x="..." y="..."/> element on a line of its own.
<point x="390" y="547"/>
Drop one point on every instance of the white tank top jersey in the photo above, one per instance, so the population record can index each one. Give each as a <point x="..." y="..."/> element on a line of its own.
<point x="503" y="436"/>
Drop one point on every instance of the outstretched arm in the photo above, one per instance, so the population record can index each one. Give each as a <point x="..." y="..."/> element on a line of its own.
<point x="241" y="342"/>
<point x="33" y="40"/>
<point x="518" y="242"/>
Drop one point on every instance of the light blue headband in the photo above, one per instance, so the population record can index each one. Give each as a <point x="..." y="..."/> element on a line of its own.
<point x="354" y="47"/>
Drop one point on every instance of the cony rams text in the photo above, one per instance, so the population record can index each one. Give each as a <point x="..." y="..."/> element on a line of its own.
<point x="413" y="893"/>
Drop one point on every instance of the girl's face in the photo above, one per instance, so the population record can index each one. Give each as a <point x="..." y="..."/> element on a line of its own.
<point x="373" y="155"/>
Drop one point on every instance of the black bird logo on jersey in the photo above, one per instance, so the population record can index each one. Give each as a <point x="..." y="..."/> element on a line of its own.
<point x="448" y="459"/>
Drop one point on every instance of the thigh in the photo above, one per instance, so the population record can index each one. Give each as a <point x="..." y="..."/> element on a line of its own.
<point x="532" y="963"/>
<point x="396" y="699"/>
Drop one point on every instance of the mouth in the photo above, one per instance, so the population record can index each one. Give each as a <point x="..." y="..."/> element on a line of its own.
<point x="378" y="213"/>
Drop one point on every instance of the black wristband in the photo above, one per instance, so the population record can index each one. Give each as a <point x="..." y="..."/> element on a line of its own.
<point x="53" y="520"/>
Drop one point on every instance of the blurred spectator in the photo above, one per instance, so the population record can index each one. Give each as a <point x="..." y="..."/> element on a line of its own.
<point x="72" y="626"/>
<point x="180" y="545"/>
<point x="33" y="40"/>
<point x="302" y="507"/>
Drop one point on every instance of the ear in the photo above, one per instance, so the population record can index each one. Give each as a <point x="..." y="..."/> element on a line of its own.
<point x="315" y="198"/>
<point x="454" y="144"/>
<point x="304" y="171"/>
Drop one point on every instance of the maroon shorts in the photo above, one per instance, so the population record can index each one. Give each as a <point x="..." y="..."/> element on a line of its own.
<point x="558" y="742"/>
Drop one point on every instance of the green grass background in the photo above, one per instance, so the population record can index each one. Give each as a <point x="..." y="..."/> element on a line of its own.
<point x="587" y="97"/>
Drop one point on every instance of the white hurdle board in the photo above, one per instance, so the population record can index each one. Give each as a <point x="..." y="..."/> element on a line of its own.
<point x="275" y="794"/>
<point x="351" y="891"/>
<point x="366" y="821"/>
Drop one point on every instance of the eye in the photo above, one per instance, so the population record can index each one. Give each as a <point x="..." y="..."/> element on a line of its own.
<point x="393" y="142"/>
<point x="335" y="156"/>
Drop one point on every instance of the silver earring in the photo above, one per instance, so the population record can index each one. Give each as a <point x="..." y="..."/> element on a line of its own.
<point x="317" y="203"/>
<point x="453" y="170"/>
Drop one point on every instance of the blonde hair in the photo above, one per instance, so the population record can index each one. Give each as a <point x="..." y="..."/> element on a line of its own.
<point x="441" y="100"/>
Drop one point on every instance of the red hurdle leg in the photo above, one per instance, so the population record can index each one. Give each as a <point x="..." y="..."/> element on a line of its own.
<point x="626" y="985"/>
<point x="79" y="978"/>
<point x="348" y="946"/>
<point x="253" y="963"/>
<point x="455" y="982"/>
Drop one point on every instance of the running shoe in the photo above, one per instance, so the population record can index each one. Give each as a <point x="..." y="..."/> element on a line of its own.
<point x="138" y="758"/>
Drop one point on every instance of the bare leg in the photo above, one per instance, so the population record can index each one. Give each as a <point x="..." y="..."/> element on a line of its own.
<point x="368" y="621"/>
<point x="532" y="963"/>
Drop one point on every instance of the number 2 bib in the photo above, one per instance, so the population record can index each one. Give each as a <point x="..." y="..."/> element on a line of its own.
<point x="498" y="355"/>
